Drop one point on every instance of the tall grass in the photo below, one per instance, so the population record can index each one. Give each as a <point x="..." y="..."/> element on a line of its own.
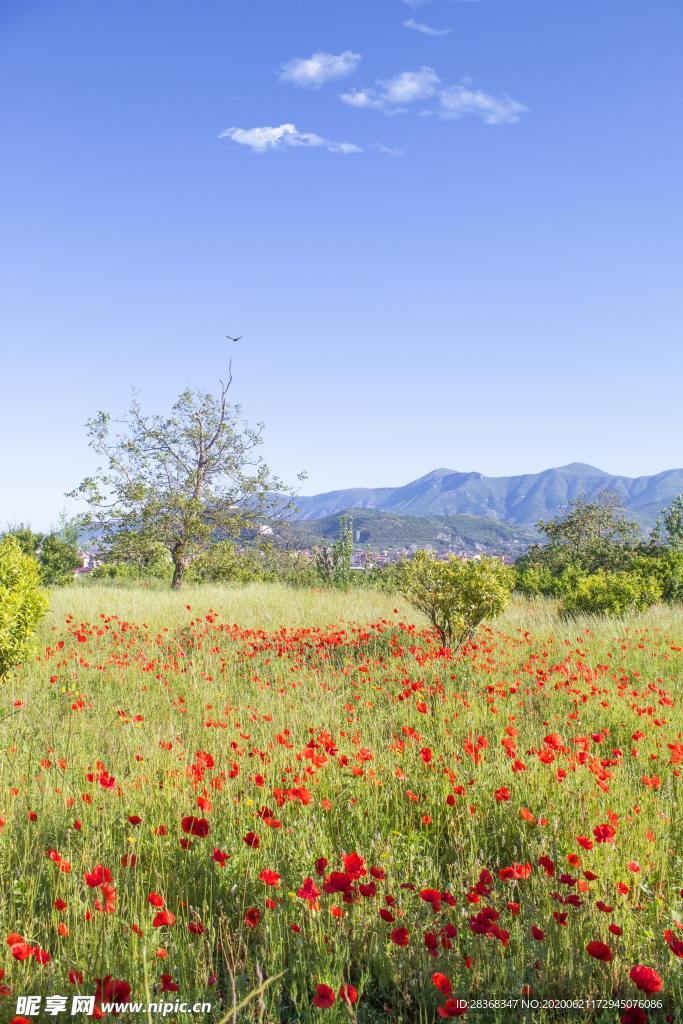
<point x="459" y="782"/>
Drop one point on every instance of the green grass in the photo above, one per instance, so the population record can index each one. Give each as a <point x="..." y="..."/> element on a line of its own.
<point x="277" y="716"/>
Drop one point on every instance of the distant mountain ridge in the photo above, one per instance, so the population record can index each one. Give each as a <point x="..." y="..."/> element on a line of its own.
<point x="521" y="500"/>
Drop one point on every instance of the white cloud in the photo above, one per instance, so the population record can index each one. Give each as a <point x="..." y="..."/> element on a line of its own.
<point x="450" y="102"/>
<point x="458" y="101"/>
<point x="392" y="93"/>
<point x="388" y="150"/>
<point x="415" y="3"/>
<point x="284" y="136"/>
<point x="410" y="86"/>
<point x="312" y="72"/>
<point x="426" y="30"/>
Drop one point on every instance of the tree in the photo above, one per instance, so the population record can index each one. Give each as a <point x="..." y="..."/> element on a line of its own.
<point x="589" y="536"/>
<point x="57" y="552"/>
<point x="22" y="603"/>
<point x="182" y="480"/>
<point x="672" y="523"/>
<point x="333" y="562"/>
<point x="456" y="596"/>
<point x="590" y="528"/>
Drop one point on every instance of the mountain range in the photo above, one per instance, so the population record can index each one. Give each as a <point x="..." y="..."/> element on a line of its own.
<point x="520" y="500"/>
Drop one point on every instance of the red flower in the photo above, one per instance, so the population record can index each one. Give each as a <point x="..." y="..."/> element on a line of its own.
<point x="348" y="994"/>
<point x="600" y="950"/>
<point x="604" y="833"/>
<point x="155" y="900"/>
<point x="19" y="949"/>
<point x="195" y="826"/>
<point x="220" y="857"/>
<point x="324" y="997"/>
<point x="400" y="936"/>
<point x="111" y="990"/>
<point x="537" y="933"/>
<point x="252" y="917"/>
<point x="163" y="918"/>
<point x="442" y="983"/>
<point x="252" y="840"/>
<point x="645" y="978"/>
<point x="168" y="984"/>
<point x="634" y="1015"/>
<point x="354" y="866"/>
<point x="308" y="891"/>
<point x="97" y="876"/>
<point x="269" y="877"/>
<point x="453" y="1008"/>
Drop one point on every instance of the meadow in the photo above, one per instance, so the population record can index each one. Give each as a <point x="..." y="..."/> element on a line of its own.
<point x="296" y="806"/>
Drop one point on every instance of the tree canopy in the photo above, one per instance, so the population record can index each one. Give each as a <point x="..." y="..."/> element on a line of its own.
<point x="182" y="481"/>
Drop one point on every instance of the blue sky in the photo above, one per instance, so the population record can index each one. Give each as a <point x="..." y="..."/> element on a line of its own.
<point x="462" y="249"/>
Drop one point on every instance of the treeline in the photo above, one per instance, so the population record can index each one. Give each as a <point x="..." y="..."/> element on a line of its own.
<point x="597" y="561"/>
<point x="594" y="560"/>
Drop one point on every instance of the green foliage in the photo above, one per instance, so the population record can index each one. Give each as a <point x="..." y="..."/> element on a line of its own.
<point x="22" y="603"/>
<point x="333" y="562"/>
<point x="596" y="561"/>
<point x="134" y="556"/>
<point x="223" y="563"/>
<point x="180" y="480"/>
<point x="608" y="593"/>
<point x="456" y="596"/>
<point x="592" y="534"/>
<point x="671" y="525"/>
<point x="57" y="552"/>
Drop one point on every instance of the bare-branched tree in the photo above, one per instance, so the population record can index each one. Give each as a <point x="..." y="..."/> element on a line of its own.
<point x="182" y="480"/>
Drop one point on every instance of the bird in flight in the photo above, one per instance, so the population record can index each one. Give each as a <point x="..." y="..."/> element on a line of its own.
<point x="239" y="338"/>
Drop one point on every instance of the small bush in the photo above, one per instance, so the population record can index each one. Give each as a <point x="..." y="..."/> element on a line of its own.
<point x="22" y="603"/>
<point x="609" y="593"/>
<point x="456" y="595"/>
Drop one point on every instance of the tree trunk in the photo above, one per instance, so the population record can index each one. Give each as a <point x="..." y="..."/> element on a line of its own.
<point x="179" y="567"/>
<point x="178" y="573"/>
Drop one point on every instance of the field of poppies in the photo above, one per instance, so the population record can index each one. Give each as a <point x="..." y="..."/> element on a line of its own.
<point x="335" y="819"/>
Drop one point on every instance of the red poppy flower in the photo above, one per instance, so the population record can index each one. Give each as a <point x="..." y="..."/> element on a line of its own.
<point x="324" y="997"/>
<point x="97" y="876"/>
<point x="400" y="936"/>
<point x="348" y="994"/>
<point x="269" y="877"/>
<point x="308" y="891"/>
<point x="155" y="900"/>
<point x="112" y="990"/>
<point x="453" y="1008"/>
<point x="163" y="918"/>
<point x="354" y="866"/>
<point x="634" y="1015"/>
<point x="252" y="917"/>
<point x="252" y="840"/>
<point x="195" y="826"/>
<point x="600" y="950"/>
<point x="645" y="978"/>
<point x="604" y="833"/>
<point x="442" y="983"/>
<point x="168" y="984"/>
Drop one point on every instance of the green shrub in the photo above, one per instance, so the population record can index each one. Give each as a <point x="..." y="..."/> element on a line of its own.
<point x="57" y="553"/>
<point x="22" y="603"/>
<point x="223" y="563"/>
<point x="534" y="580"/>
<point x="456" y="595"/>
<point x="608" y="593"/>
